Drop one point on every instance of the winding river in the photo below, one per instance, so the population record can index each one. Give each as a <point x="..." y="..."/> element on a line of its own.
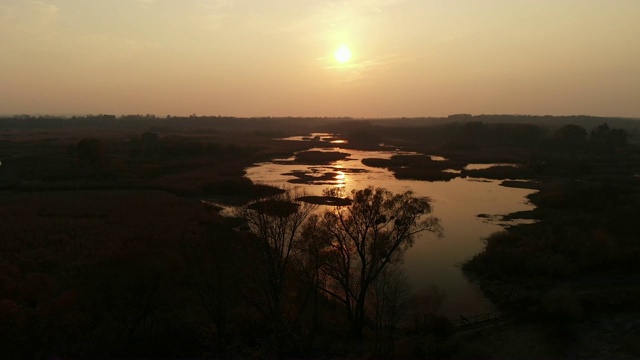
<point x="457" y="203"/>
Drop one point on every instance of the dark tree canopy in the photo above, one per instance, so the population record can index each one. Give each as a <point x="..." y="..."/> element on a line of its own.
<point x="361" y="239"/>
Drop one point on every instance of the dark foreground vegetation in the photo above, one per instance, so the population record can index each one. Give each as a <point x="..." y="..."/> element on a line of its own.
<point x="106" y="249"/>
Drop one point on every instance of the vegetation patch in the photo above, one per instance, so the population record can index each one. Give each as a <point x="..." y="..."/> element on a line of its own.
<point x="418" y="167"/>
<point x="312" y="177"/>
<point x="319" y="157"/>
<point x="326" y="200"/>
<point x="276" y="208"/>
<point x="500" y="173"/>
<point x="519" y="184"/>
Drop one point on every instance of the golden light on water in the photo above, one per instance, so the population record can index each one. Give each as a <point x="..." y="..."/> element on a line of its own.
<point x="341" y="179"/>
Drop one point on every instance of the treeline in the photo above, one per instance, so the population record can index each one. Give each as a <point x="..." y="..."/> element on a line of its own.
<point x="291" y="125"/>
<point x="551" y="121"/>
<point x="477" y="134"/>
<point x="168" y="124"/>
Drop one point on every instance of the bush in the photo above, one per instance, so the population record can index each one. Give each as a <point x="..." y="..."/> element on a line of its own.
<point x="561" y="305"/>
<point x="232" y="186"/>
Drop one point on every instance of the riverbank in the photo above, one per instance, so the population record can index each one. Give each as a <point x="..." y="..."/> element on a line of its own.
<point x="575" y="269"/>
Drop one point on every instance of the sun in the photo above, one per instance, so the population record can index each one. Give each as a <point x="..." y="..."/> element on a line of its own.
<point x="342" y="54"/>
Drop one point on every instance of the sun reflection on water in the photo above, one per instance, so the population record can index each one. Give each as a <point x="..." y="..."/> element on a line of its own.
<point x="341" y="179"/>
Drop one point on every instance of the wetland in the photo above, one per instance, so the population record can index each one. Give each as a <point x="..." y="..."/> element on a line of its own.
<point x="460" y="202"/>
<point x="113" y="241"/>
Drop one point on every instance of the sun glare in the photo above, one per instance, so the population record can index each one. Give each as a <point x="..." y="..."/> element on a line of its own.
<point x="340" y="179"/>
<point x="342" y="54"/>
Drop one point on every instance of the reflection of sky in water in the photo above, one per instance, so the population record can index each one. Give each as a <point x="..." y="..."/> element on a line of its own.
<point x="457" y="203"/>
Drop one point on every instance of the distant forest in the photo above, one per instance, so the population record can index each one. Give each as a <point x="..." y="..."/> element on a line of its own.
<point x="631" y="125"/>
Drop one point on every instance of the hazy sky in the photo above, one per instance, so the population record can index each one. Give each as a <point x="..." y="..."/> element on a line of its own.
<point x="276" y="57"/>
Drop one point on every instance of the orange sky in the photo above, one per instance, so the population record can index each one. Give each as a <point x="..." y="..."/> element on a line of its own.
<point x="275" y="58"/>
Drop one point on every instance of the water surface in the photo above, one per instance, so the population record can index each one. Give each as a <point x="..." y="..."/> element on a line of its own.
<point x="457" y="203"/>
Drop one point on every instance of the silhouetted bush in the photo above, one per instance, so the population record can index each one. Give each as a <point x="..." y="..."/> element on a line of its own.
<point x="92" y="153"/>
<point x="561" y="305"/>
<point x="231" y="186"/>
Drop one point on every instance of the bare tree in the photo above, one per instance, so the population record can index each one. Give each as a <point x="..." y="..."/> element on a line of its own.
<point x="214" y="262"/>
<point x="361" y="239"/>
<point x="389" y="301"/>
<point x="426" y="304"/>
<point x="274" y="227"/>
<point x="310" y="264"/>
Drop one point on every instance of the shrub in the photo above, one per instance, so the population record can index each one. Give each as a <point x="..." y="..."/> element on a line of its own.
<point x="561" y="305"/>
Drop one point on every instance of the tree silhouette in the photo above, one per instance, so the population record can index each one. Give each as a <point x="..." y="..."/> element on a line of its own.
<point x="91" y="152"/>
<point x="361" y="239"/>
<point x="571" y="135"/>
<point x="274" y="228"/>
<point x="605" y="138"/>
<point x="389" y="302"/>
<point x="214" y="264"/>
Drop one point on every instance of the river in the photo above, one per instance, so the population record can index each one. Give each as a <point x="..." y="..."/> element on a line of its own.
<point x="457" y="203"/>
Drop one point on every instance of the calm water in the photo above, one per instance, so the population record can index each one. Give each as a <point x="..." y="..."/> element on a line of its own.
<point x="456" y="203"/>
